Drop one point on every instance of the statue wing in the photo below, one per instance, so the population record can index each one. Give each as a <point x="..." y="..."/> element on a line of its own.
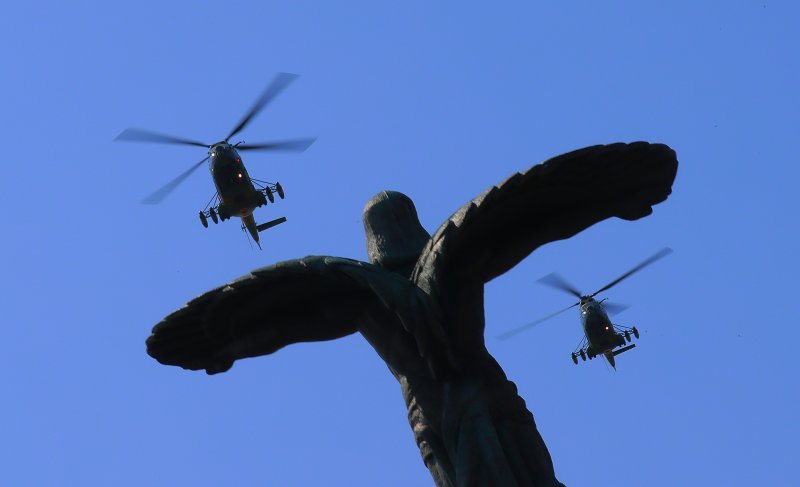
<point x="303" y="300"/>
<point x="551" y="201"/>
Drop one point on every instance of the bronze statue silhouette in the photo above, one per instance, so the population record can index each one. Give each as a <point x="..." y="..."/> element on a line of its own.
<point x="419" y="303"/>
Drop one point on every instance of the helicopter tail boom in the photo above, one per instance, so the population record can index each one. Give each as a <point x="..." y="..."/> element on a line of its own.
<point x="249" y="222"/>
<point x="610" y="357"/>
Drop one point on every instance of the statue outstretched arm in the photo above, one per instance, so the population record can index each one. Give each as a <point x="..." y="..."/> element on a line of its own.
<point x="303" y="300"/>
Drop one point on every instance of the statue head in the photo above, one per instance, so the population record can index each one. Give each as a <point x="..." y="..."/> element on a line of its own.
<point x="395" y="236"/>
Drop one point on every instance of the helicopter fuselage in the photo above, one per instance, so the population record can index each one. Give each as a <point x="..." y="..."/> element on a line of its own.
<point x="238" y="196"/>
<point x="597" y="327"/>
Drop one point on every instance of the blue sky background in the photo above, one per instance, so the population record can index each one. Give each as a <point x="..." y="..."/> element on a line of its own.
<point x="438" y="100"/>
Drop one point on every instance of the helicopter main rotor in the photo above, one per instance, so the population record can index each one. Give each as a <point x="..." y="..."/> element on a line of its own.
<point x="276" y="86"/>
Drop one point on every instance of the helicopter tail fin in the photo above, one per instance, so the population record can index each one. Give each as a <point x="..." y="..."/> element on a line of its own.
<point x="624" y="349"/>
<point x="270" y="224"/>
<point x="610" y="355"/>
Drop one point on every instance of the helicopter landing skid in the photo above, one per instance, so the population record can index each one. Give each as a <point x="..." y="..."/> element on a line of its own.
<point x="265" y="192"/>
<point x="269" y="190"/>
<point x="623" y="332"/>
<point x="212" y="211"/>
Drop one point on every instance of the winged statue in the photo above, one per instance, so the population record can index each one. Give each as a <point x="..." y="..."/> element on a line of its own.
<point x="419" y="303"/>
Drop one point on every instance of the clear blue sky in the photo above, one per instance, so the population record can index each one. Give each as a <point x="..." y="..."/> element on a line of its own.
<point x="438" y="101"/>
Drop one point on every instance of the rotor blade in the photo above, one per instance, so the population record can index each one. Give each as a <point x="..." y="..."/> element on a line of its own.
<point x="165" y="190"/>
<point x="522" y="328"/>
<point x="278" y="84"/>
<point x="614" y="308"/>
<point x="138" y="135"/>
<point x="558" y="282"/>
<point x="661" y="253"/>
<point x="297" y="145"/>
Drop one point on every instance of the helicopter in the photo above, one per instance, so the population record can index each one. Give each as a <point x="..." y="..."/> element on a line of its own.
<point x="601" y="336"/>
<point x="237" y="195"/>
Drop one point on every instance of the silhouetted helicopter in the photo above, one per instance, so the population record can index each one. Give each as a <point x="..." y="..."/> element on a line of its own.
<point x="601" y="336"/>
<point x="238" y="195"/>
